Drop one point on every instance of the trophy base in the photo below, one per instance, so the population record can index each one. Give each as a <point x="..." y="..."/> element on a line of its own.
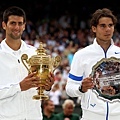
<point x="40" y="97"/>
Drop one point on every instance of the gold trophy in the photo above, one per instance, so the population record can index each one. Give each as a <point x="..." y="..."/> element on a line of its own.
<point x="42" y="64"/>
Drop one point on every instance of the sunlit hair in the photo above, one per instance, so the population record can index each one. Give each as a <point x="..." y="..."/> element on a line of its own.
<point x="66" y="102"/>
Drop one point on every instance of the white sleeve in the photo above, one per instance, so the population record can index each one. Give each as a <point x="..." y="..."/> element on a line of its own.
<point x="9" y="91"/>
<point x="75" y="77"/>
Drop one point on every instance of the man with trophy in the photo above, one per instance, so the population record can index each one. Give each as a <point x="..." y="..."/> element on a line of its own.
<point x="21" y="87"/>
<point x="94" y="68"/>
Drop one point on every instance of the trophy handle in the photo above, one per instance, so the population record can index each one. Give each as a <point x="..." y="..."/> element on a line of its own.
<point x="56" y="62"/>
<point x="25" y="57"/>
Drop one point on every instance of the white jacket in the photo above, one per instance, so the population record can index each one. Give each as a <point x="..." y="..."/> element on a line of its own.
<point x="14" y="103"/>
<point x="81" y="67"/>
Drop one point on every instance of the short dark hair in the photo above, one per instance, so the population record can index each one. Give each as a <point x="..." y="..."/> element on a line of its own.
<point x="45" y="102"/>
<point x="14" y="10"/>
<point x="105" y="12"/>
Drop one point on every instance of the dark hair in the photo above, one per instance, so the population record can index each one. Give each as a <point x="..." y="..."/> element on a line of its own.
<point x="14" y="10"/>
<point x="105" y="12"/>
<point x="45" y="102"/>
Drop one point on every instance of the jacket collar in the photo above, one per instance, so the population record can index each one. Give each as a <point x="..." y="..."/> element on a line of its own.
<point x="5" y="48"/>
<point x="98" y="47"/>
<point x="95" y="42"/>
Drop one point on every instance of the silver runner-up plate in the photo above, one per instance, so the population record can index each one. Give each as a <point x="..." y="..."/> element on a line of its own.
<point x="106" y="77"/>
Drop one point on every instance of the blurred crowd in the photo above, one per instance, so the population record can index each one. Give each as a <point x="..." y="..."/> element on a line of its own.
<point x="61" y="36"/>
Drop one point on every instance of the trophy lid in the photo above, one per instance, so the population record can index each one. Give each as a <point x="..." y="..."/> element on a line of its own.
<point x="41" y="57"/>
<point x="40" y="50"/>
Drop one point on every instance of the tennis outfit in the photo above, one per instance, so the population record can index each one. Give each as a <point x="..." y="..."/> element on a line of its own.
<point x="81" y="67"/>
<point x="14" y="103"/>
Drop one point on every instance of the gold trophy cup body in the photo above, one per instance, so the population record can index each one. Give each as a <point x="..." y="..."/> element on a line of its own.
<point x="42" y="64"/>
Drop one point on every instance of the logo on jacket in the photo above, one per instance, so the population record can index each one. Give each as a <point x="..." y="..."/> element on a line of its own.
<point x="117" y="52"/>
<point x="93" y="105"/>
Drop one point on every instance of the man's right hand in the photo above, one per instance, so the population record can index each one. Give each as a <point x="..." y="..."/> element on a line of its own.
<point x="29" y="82"/>
<point x="87" y="83"/>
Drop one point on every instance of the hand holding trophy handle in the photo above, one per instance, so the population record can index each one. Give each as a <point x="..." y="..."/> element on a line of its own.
<point x="43" y="65"/>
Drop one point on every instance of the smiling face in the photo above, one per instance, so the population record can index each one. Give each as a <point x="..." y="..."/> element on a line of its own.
<point x="14" y="27"/>
<point x="104" y="30"/>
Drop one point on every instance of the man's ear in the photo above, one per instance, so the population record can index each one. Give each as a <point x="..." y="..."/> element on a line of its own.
<point x="94" y="29"/>
<point x="24" y="26"/>
<point x="3" y="25"/>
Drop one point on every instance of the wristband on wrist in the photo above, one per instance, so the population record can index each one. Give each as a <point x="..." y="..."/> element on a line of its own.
<point x="80" y="89"/>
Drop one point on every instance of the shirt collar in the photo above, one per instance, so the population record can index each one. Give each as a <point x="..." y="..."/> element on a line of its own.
<point x="7" y="49"/>
<point x="52" y="115"/>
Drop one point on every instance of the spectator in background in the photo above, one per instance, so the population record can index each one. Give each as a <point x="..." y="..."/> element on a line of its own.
<point x="65" y="74"/>
<point x="48" y="110"/>
<point x="58" y="75"/>
<point x="70" y="55"/>
<point x="55" y="94"/>
<point x="64" y="95"/>
<point x="67" y="113"/>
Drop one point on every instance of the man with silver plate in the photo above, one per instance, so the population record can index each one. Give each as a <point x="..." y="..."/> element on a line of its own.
<point x="94" y="74"/>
